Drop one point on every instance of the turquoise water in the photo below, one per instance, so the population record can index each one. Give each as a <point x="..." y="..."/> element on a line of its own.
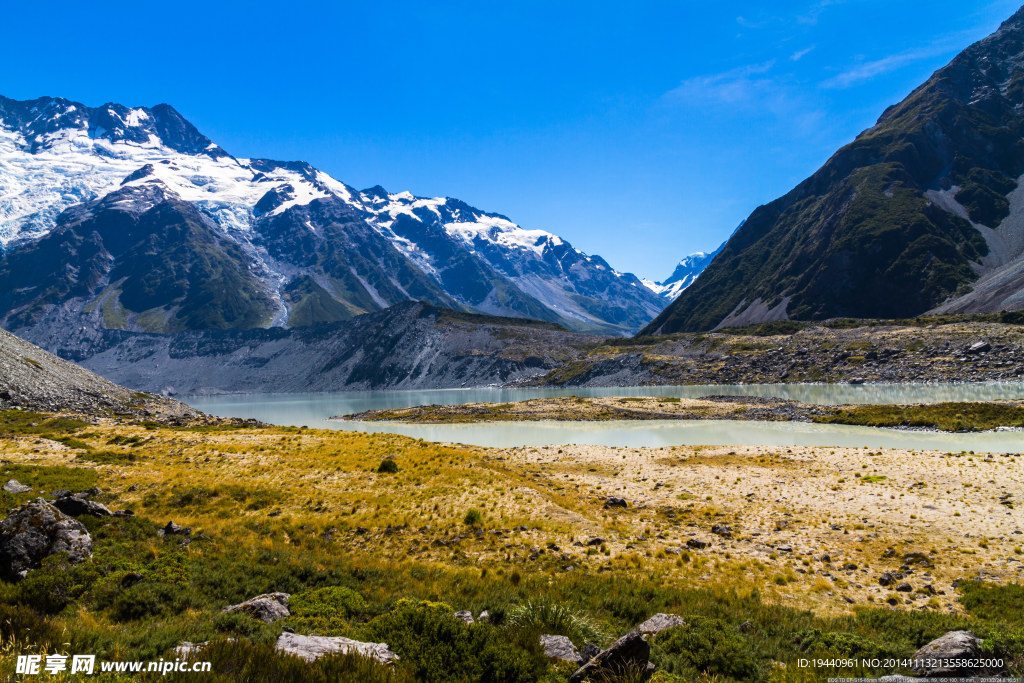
<point x="314" y="410"/>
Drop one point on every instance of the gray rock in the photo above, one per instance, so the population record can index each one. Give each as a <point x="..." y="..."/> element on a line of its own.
<point x="588" y="652"/>
<point x="723" y="530"/>
<point x="76" y="507"/>
<point x="595" y="541"/>
<point x="917" y="558"/>
<point x="173" y="529"/>
<point x="35" y="531"/>
<point x="312" y="648"/>
<point x="560" y="647"/>
<point x="904" y="588"/>
<point x="614" y="502"/>
<point x="464" y="615"/>
<point x="630" y="652"/>
<point x="979" y="347"/>
<point x="186" y="649"/>
<point x="886" y="579"/>
<point x="696" y="544"/>
<point x="484" y="617"/>
<point x="953" y="645"/>
<point x="15" y="486"/>
<point x="268" y="607"/>
<point x="660" y="622"/>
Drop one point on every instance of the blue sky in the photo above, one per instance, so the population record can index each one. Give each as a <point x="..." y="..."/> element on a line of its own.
<point x="640" y="131"/>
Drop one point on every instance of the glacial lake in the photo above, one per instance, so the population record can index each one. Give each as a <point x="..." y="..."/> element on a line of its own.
<point x="313" y="410"/>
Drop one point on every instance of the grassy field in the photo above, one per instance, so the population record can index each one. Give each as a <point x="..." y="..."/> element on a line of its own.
<point x="387" y="553"/>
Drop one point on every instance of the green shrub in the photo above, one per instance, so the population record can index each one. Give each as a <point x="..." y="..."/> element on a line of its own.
<point x="842" y="644"/>
<point x="434" y="646"/>
<point x="554" y="619"/>
<point x="55" y="583"/>
<point x="473" y="517"/>
<point x="325" y="611"/>
<point x="995" y="602"/>
<point x="709" y="646"/>
<point x="259" y="663"/>
<point x="388" y="466"/>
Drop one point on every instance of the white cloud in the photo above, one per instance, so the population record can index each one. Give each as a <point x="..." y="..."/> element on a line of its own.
<point x="729" y="87"/>
<point x="865" y="71"/>
<point x="797" y="56"/>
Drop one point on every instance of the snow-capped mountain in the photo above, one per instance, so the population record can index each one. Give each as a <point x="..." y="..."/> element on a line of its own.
<point x="132" y="217"/>
<point x="688" y="269"/>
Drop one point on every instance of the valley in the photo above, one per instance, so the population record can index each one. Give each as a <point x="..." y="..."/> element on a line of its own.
<point x="742" y="535"/>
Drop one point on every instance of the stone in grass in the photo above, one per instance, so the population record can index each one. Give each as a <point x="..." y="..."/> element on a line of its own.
<point x="954" y="648"/>
<point x="464" y="616"/>
<point x="311" y="648"/>
<point x="173" y="529"/>
<point x="15" y="486"/>
<point x="33" y="532"/>
<point x="660" y="622"/>
<point x="588" y="652"/>
<point x="268" y="607"/>
<point x="628" y="653"/>
<point x="76" y="507"/>
<point x="560" y="647"/>
<point x="614" y="502"/>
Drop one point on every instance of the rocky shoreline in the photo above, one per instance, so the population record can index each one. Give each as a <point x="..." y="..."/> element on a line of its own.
<point x="954" y="417"/>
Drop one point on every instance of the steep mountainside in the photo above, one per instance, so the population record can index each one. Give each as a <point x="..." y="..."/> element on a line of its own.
<point x="32" y="379"/>
<point x="923" y="211"/>
<point x="141" y="223"/>
<point x="411" y="345"/>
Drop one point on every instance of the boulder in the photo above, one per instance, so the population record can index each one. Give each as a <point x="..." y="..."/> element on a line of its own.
<point x="484" y="616"/>
<point x="614" y="502"/>
<point x="15" y="486"/>
<point x="464" y="615"/>
<point x="660" y="622"/>
<point x="952" y="646"/>
<point x="76" y="507"/>
<point x="311" y="648"/>
<point x="35" y="531"/>
<point x="979" y="347"/>
<point x="560" y="647"/>
<point x="588" y="652"/>
<point x="268" y="607"/>
<point x="723" y="530"/>
<point x="173" y="529"/>
<point x="628" y="653"/>
<point x="695" y="544"/>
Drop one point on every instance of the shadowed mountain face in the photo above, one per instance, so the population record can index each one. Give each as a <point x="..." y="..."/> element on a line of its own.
<point x="129" y="218"/>
<point x="410" y="345"/>
<point x="922" y="211"/>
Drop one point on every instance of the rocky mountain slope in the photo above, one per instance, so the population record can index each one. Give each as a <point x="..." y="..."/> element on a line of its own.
<point x="921" y="212"/>
<point x="131" y="219"/>
<point x="32" y="379"/>
<point x="411" y="345"/>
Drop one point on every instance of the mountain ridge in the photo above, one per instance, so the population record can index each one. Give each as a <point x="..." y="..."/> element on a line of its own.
<point x="912" y="216"/>
<point x="305" y="247"/>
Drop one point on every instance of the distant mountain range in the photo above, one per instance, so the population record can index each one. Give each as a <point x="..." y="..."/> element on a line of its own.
<point x="922" y="212"/>
<point x="131" y="219"/>
<point x="684" y="275"/>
